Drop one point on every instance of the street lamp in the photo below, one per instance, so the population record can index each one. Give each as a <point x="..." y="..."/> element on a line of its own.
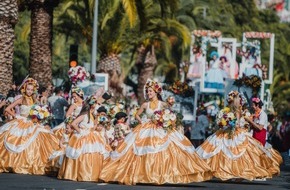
<point x="95" y="36"/>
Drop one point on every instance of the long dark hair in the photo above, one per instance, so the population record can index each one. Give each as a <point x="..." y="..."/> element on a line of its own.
<point x="159" y="97"/>
<point x="86" y="109"/>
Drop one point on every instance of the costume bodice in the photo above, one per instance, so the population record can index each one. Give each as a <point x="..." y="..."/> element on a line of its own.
<point x="150" y="112"/>
<point x="86" y="124"/>
<point x="77" y="110"/>
<point x="24" y="110"/>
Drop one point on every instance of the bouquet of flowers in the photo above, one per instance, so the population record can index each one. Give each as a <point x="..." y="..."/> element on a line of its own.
<point x="133" y="111"/>
<point x="69" y="120"/>
<point x="226" y="119"/>
<point x="165" y="118"/>
<point x="39" y="114"/>
<point x="78" y="74"/>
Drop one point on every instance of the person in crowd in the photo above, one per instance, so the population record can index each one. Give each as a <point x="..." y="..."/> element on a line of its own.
<point x="26" y="146"/>
<point x="43" y="95"/>
<point x="151" y="154"/>
<point x="283" y="138"/>
<point x="13" y="91"/>
<point x="198" y="130"/>
<point x="86" y="149"/>
<point x="258" y="121"/>
<point x="57" y="104"/>
<point x="73" y="110"/>
<point x="231" y="152"/>
<point x="121" y="128"/>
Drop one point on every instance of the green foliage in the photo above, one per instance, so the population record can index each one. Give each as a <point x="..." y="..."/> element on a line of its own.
<point x="123" y="25"/>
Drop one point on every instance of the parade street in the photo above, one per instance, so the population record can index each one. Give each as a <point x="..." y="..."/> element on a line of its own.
<point x="10" y="181"/>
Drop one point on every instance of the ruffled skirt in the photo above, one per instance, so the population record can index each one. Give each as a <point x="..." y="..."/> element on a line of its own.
<point x="59" y="130"/>
<point x="239" y="156"/>
<point x="152" y="155"/>
<point x="27" y="148"/>
<point x="84" y="157"/>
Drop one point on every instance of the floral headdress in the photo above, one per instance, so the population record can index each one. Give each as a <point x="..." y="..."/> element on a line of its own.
<point x="30" y="81"/>
<point x="154" y="85"/>
<point x="256" y="100"/>
<point x="233" y="94"/>
<point x="78" y="91"/>
<point x="92" y="100"/>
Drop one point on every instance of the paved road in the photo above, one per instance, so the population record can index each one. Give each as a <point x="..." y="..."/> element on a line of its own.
<point x="10" y="181"/>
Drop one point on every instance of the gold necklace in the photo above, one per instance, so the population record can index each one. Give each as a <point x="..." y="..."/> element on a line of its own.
<point x="153" y="104"/>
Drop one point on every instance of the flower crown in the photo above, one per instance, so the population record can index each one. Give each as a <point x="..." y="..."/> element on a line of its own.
<point x="78" y="91"/>
<point x="256" y="100"/>
<point x="232" y="94"/>
<point x="92" y="100"/>
<point x="154" y="85"/>
<point x="29" y="81"/>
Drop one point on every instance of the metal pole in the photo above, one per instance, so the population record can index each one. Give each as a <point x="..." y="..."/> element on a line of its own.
<point x="95" y="36"/>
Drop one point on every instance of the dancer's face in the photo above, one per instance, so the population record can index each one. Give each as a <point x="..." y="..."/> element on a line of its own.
<point x="76" y="98"/>
<point x="29" y="90"/>
<point x="151" y="93"/>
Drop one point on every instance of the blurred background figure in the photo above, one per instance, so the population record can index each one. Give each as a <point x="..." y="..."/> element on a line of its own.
<point x="57" y="104"/>
<point x="199" y="126"/>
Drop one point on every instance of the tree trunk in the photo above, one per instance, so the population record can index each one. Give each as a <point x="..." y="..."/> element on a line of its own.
<point x="111" y="64"/>
<point x="41" y="42"/>
<point x="8" y="18"/>
<point x="146" y="72"/>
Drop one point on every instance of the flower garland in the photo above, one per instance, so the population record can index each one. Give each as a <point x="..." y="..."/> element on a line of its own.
<point x="39" y="114"/>
<point x="254" y="82"/>
<point x="165" y="119"/>
<point x="78" y="74"/>
<point x="180" y="88"/>
<point x="213" y="34"/>
<point x="258" y="35"/>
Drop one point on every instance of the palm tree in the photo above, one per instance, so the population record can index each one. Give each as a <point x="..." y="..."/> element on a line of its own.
<point x="76" y="21"/>
<point x="161" y="31"/>
<point x="40" y="60"/>
<point x="8" y="18"/>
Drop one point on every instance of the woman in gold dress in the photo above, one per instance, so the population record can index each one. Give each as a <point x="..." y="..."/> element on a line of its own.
<point x="26" y="147"/>
<point x="86" y="149"/>
<point x="150" y="154"/>
<point x="232" y="153"/>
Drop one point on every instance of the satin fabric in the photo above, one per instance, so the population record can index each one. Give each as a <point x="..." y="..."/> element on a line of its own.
<point x="84" y="156"/>
<point x="27" y="148"/>
<point x="239" y="156"/>
<point x="59" y="130"/>
<point x="151" y="155"/>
